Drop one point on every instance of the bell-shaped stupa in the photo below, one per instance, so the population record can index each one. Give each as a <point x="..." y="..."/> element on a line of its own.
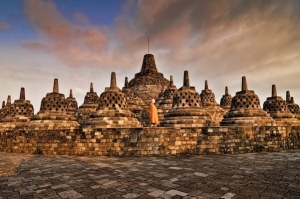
<point x="245" y="110"/>
<point x="186" y="110"/>
<point x="278" y="109"/>
<point x="225" y="101"/>
<point x="53" y="113"/>
<point x="113" y="111"/>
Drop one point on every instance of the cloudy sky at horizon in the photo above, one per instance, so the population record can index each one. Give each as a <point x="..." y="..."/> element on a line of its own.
<point x="83" y="41"/>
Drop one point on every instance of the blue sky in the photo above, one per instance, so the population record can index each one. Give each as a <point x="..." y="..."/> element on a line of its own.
<point x="83" y="41"/>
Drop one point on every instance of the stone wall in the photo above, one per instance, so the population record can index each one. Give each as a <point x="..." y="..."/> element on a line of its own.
<point x="150" y="141"/>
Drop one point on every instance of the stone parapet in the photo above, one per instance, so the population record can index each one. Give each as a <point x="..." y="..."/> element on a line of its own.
<point x="149" y="141"/>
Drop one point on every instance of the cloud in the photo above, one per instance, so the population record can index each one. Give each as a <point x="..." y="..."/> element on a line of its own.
<point x="4" y="25"/>
<point x="219" y="41"/>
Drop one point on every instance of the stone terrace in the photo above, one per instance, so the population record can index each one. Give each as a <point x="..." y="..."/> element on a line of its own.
<point x="252" y="175"/>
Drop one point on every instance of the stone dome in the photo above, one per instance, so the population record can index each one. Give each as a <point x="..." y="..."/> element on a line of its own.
<point x="53" y="106"/>
<point x="21" y="108"/>
<point x="276" y="106"/>
<point x="113" y="111"/>
<point x="72" y="105"/>
<point x="186" y="109"/>
<point x="226" y="99"/>
<point x="245" y="110"/>
<point x="207" y="96"/>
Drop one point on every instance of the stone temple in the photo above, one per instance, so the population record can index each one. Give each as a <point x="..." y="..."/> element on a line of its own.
<point x="116" y="122"/>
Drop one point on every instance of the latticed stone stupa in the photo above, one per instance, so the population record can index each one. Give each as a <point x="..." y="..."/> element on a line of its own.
<point x="245" y="110"/>
<point x="20" y="112"/>
<point x="278" y="109"/>
<point x="165" y="103"/>
<point x="293" y="107"/>
<point x="186" y="110"/>
<point x="89" y="106"/>
<point x="53" y="113"/>
<point x="72" y="105"/>
<point x="225" y="101"/>
<point x="208" y="101"/>
<point x="148" y="83"/>
<point x="113" y="111"/>
<point x="5" y="108"/>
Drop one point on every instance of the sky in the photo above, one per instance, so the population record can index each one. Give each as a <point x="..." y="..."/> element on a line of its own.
<point x="83" y="41"/>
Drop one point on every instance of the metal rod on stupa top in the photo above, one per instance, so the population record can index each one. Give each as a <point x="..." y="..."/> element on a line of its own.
<point x="206" y="85"/>
<point x="171" y="80"/>
<point x="126" y="82"/>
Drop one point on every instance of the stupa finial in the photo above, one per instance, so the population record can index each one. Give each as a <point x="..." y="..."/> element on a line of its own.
<point x="226" y="90"/>
<point x="126" y="82"/>
<point x="55" y="86"/>
<point x="244" y="84"/>
<point x="288" y="96"/>
<point x="71" y="93"/>
<point x="22" y="94"/>
<point x="3" y="104"/>
<point x="171" y="80"/>
<point x="206" y="85"/>
<point x="91" y="87"/>
<point x="186" y="80"/>
<point x="8" y="102"/>
<point x="292" y="100"/>
<point x="113" y="80"/>
<point x="274" y="91"/>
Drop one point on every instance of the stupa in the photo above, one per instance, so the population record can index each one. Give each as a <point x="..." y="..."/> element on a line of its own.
<point x="225" y="101"/>
<point x="278" y="109"/>
<point x="113" y="111"/>
<point x="72" y="106"/>
<point x="186" y="110"/>
<point x="210" y="105"/>
<point x="89" y="106"/>
<point x="19" y="114"/>
<point x="293" y="107"/>
<point x="6" y="108"/>
<point x="148" y="83"/>
<point x="165" y="103"/>
<point x="53" y="112"/>
<point x="245" y="110"/>
<point x="135" y="104"/>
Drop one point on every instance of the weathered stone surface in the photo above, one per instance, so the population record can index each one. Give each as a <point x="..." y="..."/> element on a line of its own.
<point x="246" y="111"/>
<point x="53" y="113"/>
<point x="294" y="108"/>
<point x="148" y="83"/>
<point x="19" y="113"/>
<point x="89" y="106"/>
<point x="165" y="100"/>
<point x="186" y="110"/>
<point x="253" y="175"/>
<point x="113" y="109"/>
<point x="225" y="101"/>
<point x="278" y="109"/>
<point x="210" y="105"/>
<point x="72" y="106"/>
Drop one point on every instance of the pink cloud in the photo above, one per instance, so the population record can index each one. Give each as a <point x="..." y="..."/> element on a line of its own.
<point x="4" y="25"/>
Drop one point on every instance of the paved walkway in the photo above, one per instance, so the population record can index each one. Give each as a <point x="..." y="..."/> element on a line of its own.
<point x="259" y="175"/>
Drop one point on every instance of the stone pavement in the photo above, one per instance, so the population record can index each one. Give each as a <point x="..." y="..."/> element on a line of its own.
<point x="255" y="175"/>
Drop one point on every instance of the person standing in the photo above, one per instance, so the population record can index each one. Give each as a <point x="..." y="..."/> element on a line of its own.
<point x="153" y="114"/>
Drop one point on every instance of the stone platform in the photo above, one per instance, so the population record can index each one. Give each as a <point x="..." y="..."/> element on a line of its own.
<point x="252" y="175"/>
